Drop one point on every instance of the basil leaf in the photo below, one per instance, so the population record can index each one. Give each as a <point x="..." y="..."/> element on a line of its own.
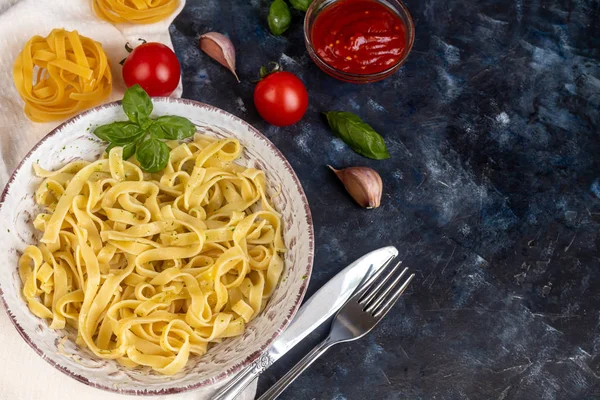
<point x="137" y="105"/>
<point x="119" y="133"/>
<point x="172" y="127"/>
<point x="301" y="5"/>
<point x="279" y="18"/>
<point x="357" y="134"/>
<point x="128" y="150"/>
<point x="152" y="154"/>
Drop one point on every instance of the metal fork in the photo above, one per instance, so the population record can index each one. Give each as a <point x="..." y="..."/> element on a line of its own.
<point x="367" y="306"/>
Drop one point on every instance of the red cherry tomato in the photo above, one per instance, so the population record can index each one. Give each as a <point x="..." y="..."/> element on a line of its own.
<point x="281" y="98"/>
<point x="154" y="67"/>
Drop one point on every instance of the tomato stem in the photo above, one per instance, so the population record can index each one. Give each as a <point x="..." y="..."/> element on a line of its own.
<point x="265" y="71"/>
<point x="130" y="49"/>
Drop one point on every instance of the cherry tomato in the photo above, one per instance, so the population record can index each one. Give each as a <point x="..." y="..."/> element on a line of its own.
<point x="281" y="98"/>
<point x="154" y="67"/>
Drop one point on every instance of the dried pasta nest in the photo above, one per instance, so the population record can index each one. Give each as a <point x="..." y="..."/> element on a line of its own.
<point x="134" y="11"/>
<point x="60" y="75"/>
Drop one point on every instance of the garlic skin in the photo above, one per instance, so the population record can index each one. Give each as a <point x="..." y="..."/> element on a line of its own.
<point x="363" y="184"/>
<point x="220" y="49"/>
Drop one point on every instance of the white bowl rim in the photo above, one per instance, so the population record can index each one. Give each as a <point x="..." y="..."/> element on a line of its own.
<point x="240" y="365"/>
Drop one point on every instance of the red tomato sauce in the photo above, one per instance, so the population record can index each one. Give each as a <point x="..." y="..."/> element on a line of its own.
<point x="359" y="36"/>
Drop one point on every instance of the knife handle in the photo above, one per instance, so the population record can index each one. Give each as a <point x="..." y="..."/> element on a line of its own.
<point x="244" y="378"/>
<point x="293" y="373"/>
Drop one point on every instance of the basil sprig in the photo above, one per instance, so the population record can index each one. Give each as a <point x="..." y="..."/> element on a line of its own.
<point x="142" y="135"/>
<point x="360" y="136"/>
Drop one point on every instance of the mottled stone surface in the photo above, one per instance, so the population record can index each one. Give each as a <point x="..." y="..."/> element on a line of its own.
<point x="492" y="195"/>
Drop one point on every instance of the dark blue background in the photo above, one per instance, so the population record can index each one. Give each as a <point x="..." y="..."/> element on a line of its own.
<point x="492" y="194"/>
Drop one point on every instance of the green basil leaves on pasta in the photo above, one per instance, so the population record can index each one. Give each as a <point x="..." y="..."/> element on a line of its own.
<point x="119" y="133"/>
<point x="142" y="135"/>
<point x="172" y="127"/>
<point x="152" y="154"/>
<point x="137" y="105"/>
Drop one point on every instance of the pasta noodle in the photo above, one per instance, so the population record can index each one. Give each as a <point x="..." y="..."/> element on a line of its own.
<point x="60" y="75"/>
<point x="134" y="11"/>
<point x="150" y="269"/>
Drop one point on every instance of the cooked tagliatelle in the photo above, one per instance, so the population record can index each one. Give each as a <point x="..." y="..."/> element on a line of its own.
<point x="134" y="11"/>
<point x="152" y="268"/>
<point x="61" y="75"/>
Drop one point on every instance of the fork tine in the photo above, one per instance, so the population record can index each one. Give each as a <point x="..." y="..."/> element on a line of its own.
<point x="366" y="299"/>
<point x="376" y="302"/>
<point x="366" y="284"/>
<point x="392" y="300"/>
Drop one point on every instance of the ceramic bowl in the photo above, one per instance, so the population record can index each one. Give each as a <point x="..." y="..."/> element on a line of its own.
<point x="74" y="140"/>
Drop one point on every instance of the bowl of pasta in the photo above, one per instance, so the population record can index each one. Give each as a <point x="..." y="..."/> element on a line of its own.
<point x="154" y="282"/>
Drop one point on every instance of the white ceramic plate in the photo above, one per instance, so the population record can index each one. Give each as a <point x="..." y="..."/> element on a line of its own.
<point x="74" y="140"/>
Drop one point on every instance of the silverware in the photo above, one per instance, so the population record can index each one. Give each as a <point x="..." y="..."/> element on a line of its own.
<point x="358" y="316"/>
<point x="316" y="310"/>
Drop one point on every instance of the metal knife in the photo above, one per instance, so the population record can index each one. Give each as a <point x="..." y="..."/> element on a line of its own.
<point x="316" y="310"/>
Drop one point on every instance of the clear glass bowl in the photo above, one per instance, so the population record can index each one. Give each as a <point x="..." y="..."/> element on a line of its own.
<point x="396" y="6"/>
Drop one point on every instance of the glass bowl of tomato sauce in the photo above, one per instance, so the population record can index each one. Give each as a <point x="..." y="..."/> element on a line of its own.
<point x="358" y="41"/>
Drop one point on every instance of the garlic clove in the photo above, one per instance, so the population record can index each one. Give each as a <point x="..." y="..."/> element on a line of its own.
<point x="363" y="184"/>
<point x="220" y="49"/>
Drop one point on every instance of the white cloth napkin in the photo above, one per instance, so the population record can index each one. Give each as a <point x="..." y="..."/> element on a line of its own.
<point x="23" y="374"/>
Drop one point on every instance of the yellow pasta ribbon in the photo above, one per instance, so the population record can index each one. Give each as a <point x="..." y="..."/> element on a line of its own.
<point x="134" y="11"/>
<point x="151" y="272"/>
<point x="60" y="75"/>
